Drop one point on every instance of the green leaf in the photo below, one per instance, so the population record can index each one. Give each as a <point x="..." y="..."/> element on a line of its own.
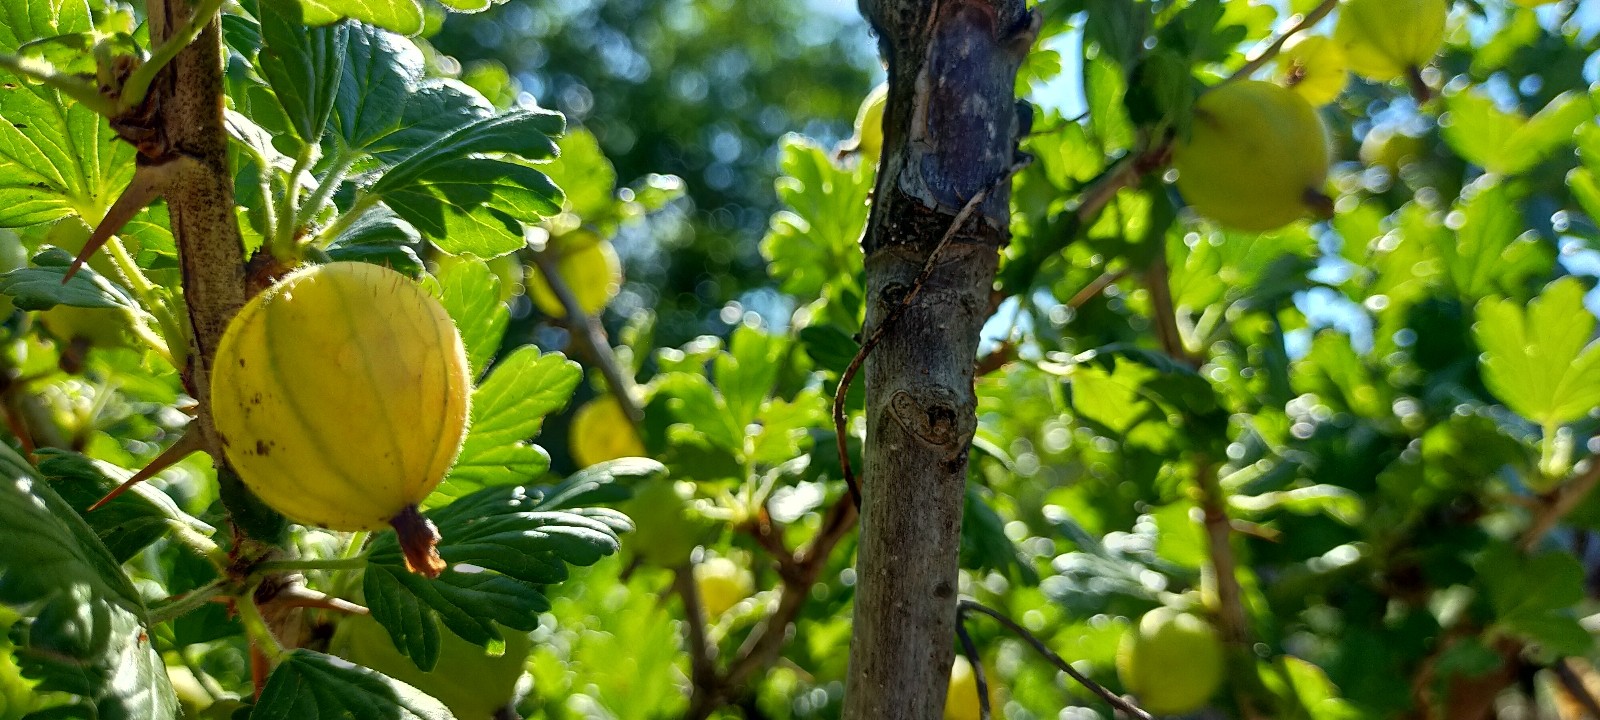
<point x="309" y="685"/>
<point x="469" y="6"/>
<point x="584" y="173"/>
<point x="504" y="544"/>
<point x="831" y="347"/>
<point x="1507" y="143"/>
<point x="520" y="132"/>
<point x="816" y="241"/>
<point x="1105" y="86"/>
<point x="1180" y="538"/>
<point x="23" y="22"/>
<point x="746" y="373"/>
<point x="397" y="257"/>
<point x="56" y="156"/>
<point x="476" y="206"/>
<point x="1539" y="361"/>
<point x="40" y="288"/>
<point x="470" y="294"/>
<point x="693" y="401"/>
<point x="127" y="524"/>
<point x="1585" y="188"/>
<point x="1338" y="503"/>
<point x="381" y="73"/>
<point x="1492" y="252"/>
<point x="984" y="545"/>
<point x="378" y="226"/>
<point x="1111" y="398"/>
<point x="1533" y="596"/>
<point x="83" y="630"/>
<point x="303" y="65"/>
<point x="507" y="410"/>
<point x="402" y="16"/>
<point x="434" y="109"/>
<point x="784" y="425"/>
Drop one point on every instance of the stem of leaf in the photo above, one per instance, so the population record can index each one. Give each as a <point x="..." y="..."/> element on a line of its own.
<point x="72" y="87"/>
<point x="341" y="580"/>
<point x="139" y="325"/>
<point x="138" y="84"/>
<point x="282" y="243"/>
<point x="255" y="626"/>
<point x="200" y="544"/>
<point x="188" y="602"/>
<point x="330" y="183"/>
<point x="129" y="268"/>
<point x="362" y="204"/>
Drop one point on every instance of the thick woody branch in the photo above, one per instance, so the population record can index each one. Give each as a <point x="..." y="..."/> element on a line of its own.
<point x="951" y="126"/>
<point x="186" y="96"/>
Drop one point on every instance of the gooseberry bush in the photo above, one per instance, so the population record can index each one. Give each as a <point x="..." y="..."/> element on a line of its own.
<point x="1286" y="404"/>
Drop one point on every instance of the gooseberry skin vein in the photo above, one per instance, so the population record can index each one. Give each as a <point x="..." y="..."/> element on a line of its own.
<point x="313" y="370"/>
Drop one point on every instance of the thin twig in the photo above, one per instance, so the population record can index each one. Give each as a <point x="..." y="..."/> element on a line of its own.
<point x="760" y="648"/>
<point x="1558" y="504"/>
<point x="965" y="606"/>
<point x="1213" y="503"/>
<point x="587" y="331"/>
<point x="895" y="313"/>
<point x="702" y="658"/>
<point x="1258" y="61"/>
<point x="1094" y="288"/>
<point x="1164" y="314"/>
<point x="770" y="539"/>
<point x="971" y="652"/>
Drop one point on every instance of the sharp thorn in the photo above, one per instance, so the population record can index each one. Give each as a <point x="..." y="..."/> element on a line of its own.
<point x="189" y="443"/>
<point x="149" y="182"/>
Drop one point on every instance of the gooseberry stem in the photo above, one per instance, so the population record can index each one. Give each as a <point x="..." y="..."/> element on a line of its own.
<point x="330" y="183"/>
<point x="255" y="626"/>
<point x="186" y="603"/>
<point x="199" y="543"/>
<point x="362" y="204"/>
<point x="282" y="244"/>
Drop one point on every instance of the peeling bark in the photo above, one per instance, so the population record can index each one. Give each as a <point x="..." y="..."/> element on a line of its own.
<point x="950" y="135"/>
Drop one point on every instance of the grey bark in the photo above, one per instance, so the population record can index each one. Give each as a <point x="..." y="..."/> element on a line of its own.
<point x="185" y="108"/>
<point x="950" y="133"/>
<point x="188" y="97"/>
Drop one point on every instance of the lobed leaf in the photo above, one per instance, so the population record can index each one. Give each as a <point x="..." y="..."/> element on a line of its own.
<point x="83" y="629"/>
<point x="504" y="544"/>
<point x="507" y="409"/>
<point x="1539" y="360"/>
<point x="308" y="685"/>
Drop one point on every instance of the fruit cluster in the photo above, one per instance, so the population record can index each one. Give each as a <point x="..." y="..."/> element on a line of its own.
<point x="1257" y="156"/>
